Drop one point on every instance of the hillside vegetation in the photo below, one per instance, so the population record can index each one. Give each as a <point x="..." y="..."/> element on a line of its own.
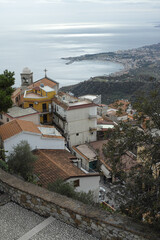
<point x="141" y="73"/>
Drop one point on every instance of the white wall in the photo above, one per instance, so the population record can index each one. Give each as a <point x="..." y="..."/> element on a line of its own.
<point x="78" y="124"/>
<point x="105" y="171"/>
<point x="85" y="162"/>
<point x="35" y="141"/>
<point x="87" y="184"/>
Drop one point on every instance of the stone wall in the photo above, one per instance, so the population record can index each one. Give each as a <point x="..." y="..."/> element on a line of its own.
<point x="95" y="221"/>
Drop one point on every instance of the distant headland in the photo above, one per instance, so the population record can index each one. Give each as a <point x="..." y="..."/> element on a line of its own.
<point x="141" y="73"/>
<point x="131" y="59"/>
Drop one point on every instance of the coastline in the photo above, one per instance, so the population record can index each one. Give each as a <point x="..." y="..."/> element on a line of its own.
<point x="131" y="59"/>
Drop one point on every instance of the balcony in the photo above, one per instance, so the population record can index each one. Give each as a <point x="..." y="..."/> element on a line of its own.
<point x="44" y="110"/>
<point x="59" y="116"/>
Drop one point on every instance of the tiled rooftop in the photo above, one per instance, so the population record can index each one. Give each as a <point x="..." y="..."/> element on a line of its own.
<point x="46" y="81"/>
<point x="16" y="126"/>
<point x="54" y="164"/>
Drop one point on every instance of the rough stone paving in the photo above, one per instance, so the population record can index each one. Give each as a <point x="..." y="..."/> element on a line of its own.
<point x="15" y="221"/>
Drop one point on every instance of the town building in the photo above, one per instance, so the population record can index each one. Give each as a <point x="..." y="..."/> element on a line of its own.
<point x="103" y="126"/>
<point x="40" y="98"/>
<point x="38" y="136"/>
<point x="28" y="114"/>
<point x="76" y="118"/>
<point x="92" y="157"/>
<point x="93" y="98"/>
<point x="46" y="81"/>
<point x="27" y="83"/>
<point x="87" y="156"/>
<point x="60" y="164"/>
<point x="17" y="97"/>
<point x="102" y="109"/>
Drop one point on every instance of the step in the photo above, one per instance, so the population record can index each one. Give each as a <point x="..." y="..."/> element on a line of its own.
<point x="37" y="229"/>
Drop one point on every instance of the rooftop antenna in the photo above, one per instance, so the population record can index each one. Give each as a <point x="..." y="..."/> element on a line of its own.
<point x="45" y="70"/>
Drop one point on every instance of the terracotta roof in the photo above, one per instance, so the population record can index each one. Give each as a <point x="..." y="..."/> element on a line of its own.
<point x="16" y="92"/>
<point x="16" y="126"/>
<point x="123" y="104"/>
<point x="104" y="121"/>
<point x="52" y="136"/>
<point x="46" y="81"/>
<point x="102" y="105"/>
<point x="54" y="164"/>
<point x="82" y="106"/>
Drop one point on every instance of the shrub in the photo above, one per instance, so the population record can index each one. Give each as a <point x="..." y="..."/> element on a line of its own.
<point x="63" y="188"/>
<point x="67" y="189"/>
<point x="3" y="165"/>
<point x="21" y="160"/>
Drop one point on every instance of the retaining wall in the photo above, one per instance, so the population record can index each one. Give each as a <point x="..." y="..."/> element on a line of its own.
<point x="95" y="221"/>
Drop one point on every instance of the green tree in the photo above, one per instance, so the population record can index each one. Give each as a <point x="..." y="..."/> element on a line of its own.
<point x="6" y="82"/>
<point x="21" y="160"/>
<point x="142" y="181"/>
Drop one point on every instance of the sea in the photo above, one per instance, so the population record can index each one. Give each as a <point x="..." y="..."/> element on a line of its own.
<point x="38" y="33"/>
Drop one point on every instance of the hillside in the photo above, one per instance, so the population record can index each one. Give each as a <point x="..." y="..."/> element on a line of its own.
<point x="110" y="91"/>
<point x="141" y="73"/>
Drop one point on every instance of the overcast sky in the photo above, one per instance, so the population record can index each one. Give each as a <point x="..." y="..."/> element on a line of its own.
<point x="14" y="13"/>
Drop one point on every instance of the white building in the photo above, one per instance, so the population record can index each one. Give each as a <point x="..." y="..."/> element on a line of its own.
<point x="90" y="157"/>
<point x="38" y="136"/>
<point x="77" y="118"/>
<point x="93" y="98"/>
<point x="27" y="114"/>
<point x="60" y="164"/>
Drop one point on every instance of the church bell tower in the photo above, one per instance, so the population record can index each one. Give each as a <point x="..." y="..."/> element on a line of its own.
<point x="26" y="77"/>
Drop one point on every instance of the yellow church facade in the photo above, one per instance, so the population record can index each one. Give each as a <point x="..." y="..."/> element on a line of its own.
<point x="40" y="98"/>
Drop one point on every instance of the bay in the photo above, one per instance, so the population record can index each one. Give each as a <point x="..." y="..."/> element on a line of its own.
<point x="37" y="34"/>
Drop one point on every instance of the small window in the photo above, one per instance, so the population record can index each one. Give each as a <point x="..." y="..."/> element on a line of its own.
<point x="1" y="116"/>
<point x="16" y="99"/>
<point x="77" y="134"/>
<point x="76" y="183"/>
<point x="7" y="119"/>
<point x="30" y="105"/>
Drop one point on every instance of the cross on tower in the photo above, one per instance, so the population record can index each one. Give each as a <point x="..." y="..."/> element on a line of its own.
<point x="45" y="70"/>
